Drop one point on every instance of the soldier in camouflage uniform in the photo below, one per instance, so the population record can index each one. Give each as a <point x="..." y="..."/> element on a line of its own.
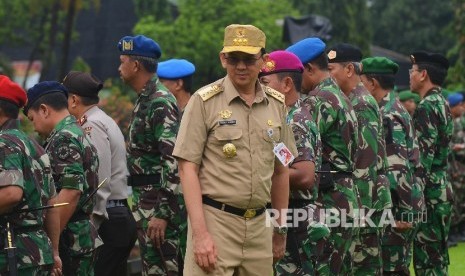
<point x="457" y="166"/>
<point x="402" y="160"/>
<point x="74" y="165"/>
<point x="283" y="71"/>
<point x="338" y="129"/>
<point x="433" y="123"/>
<point x="153" y="170"/>
<point x="369" y="176"/>
<point x="25" y="182"/>
<point x="177" y="75"/>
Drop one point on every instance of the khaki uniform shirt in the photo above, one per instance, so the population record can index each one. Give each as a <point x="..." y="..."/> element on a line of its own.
<point x="107" y="138"/>
<point x="216" y="116"/>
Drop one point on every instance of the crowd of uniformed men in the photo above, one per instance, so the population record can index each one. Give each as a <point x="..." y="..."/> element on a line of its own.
<point x="318" y="130"/>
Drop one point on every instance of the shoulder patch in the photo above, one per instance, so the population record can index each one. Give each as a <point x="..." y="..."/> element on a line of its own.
<point x="273" y="93"/>
<point x="210" y="91"/>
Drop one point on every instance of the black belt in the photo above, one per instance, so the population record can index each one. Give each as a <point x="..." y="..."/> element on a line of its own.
<point x="245" y="213"/>
<point x="116" y="203"/>
<point x="137" y="180"/>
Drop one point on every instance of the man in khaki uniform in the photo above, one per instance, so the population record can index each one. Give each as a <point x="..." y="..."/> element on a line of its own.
<point x="227" y="166"/>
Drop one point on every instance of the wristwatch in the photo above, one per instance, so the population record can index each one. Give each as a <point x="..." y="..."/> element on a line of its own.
<point x="282" y="230"/>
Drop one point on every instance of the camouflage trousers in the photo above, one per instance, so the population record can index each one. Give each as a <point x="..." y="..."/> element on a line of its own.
<point x="43" y="270"/>
<point x="367" y="252"/>
<point x="75" y="262"/>
<point x="157" y="261"/>
<point x="343" y="199"/>
<point x="397" y="246"/>
<point x="430" y="253"/>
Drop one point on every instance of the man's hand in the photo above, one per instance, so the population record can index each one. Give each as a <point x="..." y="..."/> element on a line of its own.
<point x="279" y="246"/>
<point x="402" y="226"/>
<point x="205" y="253"/>
<point x="57" y="266"/>
<point x="156" y="231"/>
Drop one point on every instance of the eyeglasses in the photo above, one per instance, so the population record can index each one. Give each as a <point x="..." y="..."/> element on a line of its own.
<point x="410" y="71"/>
<point x="249" y="61"/>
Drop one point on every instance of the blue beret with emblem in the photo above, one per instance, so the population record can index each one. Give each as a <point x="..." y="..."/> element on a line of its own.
<point x="41" y="89"/>
<point x="308" y="49"/>
<point x="455" y="99"/>
<point x="139" y="45"/>
<point x="175" y="69"/>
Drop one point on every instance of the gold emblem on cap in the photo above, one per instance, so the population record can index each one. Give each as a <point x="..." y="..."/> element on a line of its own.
<point x="269" y="66"/>
<point x="229" y="150"/>
<point x="225" y="114"/>
<point x="240" y="42"/>
<point x="332" y="54"/>
<point x="412" y="58"/>
<point x="270" y="122"/>
<point x="240" y="32"/>
<point x="127" y="45"/>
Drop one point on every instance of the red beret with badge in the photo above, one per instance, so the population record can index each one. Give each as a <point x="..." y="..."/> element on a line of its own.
<point x="12" y="92"/>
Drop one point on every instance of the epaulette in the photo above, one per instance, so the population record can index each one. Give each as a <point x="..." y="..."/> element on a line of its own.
<point x="210" y="91"/>
<point x="273" y="93"/>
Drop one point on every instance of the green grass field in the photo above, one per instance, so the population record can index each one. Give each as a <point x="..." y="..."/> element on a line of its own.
<point x="457" y="260"/>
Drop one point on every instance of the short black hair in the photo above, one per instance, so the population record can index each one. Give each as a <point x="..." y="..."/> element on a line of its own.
<point x="188" y="83"/>
<point x="295" y="76"/>
<point x="321" y="62"/>
<point x="150" y="64"/>
<point x="87" y="101"/>
<point x="386" y="81"/>
<point x="56" y="100"/>
<point x="9" y="109"/>
<point x="436" y="74"/>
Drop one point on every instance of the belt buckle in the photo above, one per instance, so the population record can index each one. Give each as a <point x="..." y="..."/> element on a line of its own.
<point x="250" y="213"/>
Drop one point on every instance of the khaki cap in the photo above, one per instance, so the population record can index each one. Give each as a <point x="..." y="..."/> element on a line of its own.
<point x="243" y="38"/>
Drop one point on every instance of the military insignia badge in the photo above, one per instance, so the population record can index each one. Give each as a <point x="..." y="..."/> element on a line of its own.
<point x="240" y="32"/>
<point x="332" y="54"/>
<point x="229" y="150"/>
<point x="127" y="45"/>
<point x="412" y="58"/>
<point x="63" y="152"/>
<point x="83" y="120"/>
<point x="225" y="114"/>
<point x="87" y="130"/>
<point x="269" y="66"/>
<point x="270" y="122"/>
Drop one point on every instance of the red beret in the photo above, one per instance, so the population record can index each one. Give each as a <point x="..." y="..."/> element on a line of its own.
<point x="12" y="92"/>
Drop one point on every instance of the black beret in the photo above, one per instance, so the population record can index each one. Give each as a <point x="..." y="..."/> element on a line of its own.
<point x="343" y="52"/>
<point x="423" y="57"/>
<point x="82" y="84"/>
<point x="41" y="89"/>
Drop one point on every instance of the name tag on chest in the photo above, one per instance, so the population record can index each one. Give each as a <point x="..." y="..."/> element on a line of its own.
<point x="227" y="122"/>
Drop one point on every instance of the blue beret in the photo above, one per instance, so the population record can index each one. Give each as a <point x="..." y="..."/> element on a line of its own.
<point x="139" y="46"/>
<point x="43" y="88"/>
<point x="455" y="99"/>
<point x="308" y="49"/>
<point x="175" y="69"/>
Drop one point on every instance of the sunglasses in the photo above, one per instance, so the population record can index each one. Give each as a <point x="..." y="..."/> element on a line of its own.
<point x="249" y="61"/>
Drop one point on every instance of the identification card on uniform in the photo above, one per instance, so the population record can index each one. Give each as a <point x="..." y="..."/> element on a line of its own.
<point x="283" y="154"/>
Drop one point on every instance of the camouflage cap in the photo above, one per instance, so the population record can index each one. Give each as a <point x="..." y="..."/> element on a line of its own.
<point x="243" y="38"/>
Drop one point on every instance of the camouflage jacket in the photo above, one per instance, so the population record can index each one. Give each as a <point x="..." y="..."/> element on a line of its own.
<point x="403" y="154"/>
<point x="433" y="123"/>
<point x="308" y="142"/>
<point x="458" y="136"/>
<point x="25" y="164"/>
<point x="337" y="124"/>
<point x="371" y="154"/>
<point x="74" y="166"/>
<point x="152" y="134"/>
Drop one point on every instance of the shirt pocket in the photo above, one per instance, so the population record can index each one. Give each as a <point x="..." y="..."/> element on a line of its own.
<point x="231" y="137"/>
<point x="272" y="135"/>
